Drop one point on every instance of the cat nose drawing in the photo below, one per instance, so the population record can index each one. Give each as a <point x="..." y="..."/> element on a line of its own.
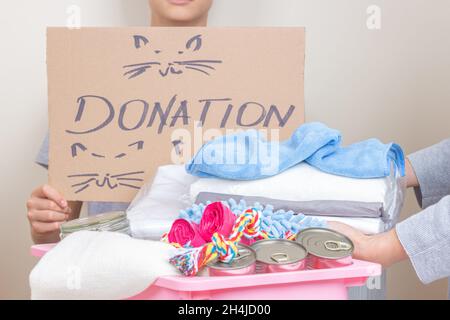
<point x="170" y="68"/>
<point x="107" y="180"/>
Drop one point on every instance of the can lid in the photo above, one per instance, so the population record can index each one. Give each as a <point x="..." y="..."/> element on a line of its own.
<point x="279" y="251"/>
<point x="325" y="243"/>
<point x="97" y="222"/>
<point x="246" y="257"/>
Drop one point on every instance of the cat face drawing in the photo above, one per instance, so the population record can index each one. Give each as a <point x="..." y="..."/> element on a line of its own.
<point x="177" y="67"/>
<point x="108" y="180"/>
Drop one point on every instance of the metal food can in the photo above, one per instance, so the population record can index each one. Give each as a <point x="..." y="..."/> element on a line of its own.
<point x="279" y="255"/>
<point x="327" y="248"/>
<point x="243" y="264"/>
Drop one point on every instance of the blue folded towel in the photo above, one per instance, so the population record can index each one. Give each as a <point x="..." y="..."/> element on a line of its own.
<point x="248" y="155"/>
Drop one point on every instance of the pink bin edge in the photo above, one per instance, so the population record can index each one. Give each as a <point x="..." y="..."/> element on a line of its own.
<point x="308" y="284"/>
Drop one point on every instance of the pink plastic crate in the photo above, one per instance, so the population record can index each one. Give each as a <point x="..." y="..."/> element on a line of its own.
<point x="299" y="285"/>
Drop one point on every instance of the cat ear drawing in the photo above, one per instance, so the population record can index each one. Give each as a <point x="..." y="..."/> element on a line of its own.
<point x="140" y="41"/>
<point x="195" y="43"/>
<point x="177" y="145"/>
<point x="139" y="144"/>
<point x="75" y="147"/>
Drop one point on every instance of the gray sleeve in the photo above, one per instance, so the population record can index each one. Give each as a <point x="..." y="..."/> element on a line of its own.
<point x="426" y="239"/>
<point x="42" y="156"/>
<point x="432" y="168"/>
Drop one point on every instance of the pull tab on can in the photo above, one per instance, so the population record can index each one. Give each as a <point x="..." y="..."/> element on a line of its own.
<point x="334" y="245"/>
<point x="280" y="257"/>
<point x="242" y="254"/>
<point x="325" y="243"/>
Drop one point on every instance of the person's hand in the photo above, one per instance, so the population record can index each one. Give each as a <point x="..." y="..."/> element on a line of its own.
<point x="359" y="239"/>
<point x="384" y="248"/>
<point x="47" y="210"/>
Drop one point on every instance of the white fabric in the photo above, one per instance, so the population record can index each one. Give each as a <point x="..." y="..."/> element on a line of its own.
<point x="365" y="225"/>
<point x="157" y="204"/>
<point x="100" y="265"/>
<point x="304" y="183"/>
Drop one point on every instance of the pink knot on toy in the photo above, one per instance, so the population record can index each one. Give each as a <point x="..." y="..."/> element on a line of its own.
<point x="185" y="233"/>
<point x="216" y="217"/>
<point x="190" y="261"/>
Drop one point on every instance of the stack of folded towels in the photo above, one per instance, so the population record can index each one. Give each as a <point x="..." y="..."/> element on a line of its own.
<point x="309" y="174"/>
<point x="370" y="205"/>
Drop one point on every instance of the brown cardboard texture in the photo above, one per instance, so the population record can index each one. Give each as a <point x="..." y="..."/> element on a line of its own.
<point x="123" y="101"/>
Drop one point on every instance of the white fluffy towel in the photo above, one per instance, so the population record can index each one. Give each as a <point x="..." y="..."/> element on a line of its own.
<point x="100" y="265"/>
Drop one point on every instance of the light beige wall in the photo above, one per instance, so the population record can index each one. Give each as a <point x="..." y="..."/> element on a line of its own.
<point x="390" y="83"/>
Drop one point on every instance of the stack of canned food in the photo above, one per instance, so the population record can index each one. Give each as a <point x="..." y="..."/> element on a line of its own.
<point x="314" y="248"/>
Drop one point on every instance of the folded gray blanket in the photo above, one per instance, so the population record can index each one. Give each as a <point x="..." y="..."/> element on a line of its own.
<point x="333" y="208"/>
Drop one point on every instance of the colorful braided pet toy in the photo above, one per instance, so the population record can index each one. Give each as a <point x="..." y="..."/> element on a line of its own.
<point x="191" y="261"/>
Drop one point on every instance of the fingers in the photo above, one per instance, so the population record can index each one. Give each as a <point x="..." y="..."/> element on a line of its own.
<point x="35" y="203"/>
<point x="346" y="230"/>
<point x="336" y="225"/>
<point x="45" y="227"/>
<point x="47" y="216"/>
<point x="50" y="193"/>
<point x="47" y="210"/>
<point x="341" y="227"/>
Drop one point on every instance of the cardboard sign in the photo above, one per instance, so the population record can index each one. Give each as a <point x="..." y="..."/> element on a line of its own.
<point x="123" y="101"/>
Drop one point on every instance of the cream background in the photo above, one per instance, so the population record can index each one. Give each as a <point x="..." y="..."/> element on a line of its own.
<point x="391" y="84"/>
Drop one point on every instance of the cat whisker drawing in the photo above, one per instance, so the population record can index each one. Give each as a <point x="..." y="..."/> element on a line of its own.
<point x="106" y="181"/>
<point x="138" y="68"/>
<point x="199" y="65"/>
<point x="176" y="67"/>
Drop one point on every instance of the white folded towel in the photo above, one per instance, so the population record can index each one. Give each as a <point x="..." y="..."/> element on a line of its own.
<point x="305" y="183"/>
<point x="100" y="265"/>
<point x="157" y="204"/>
<point x="365" y="225"/>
